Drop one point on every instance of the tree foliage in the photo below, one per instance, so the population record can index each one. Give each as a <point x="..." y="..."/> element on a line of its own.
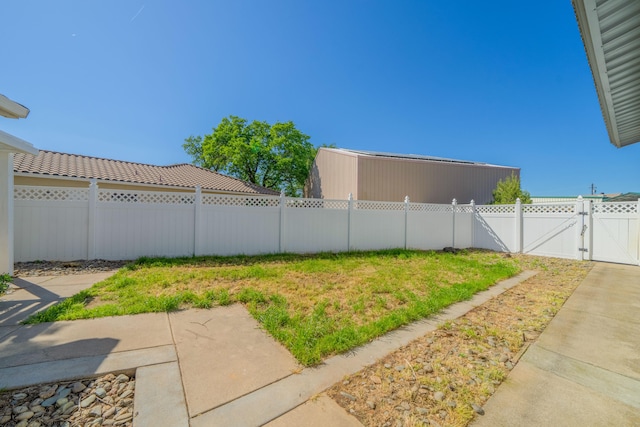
<point x="508" y="190"/>
<point x="276" y="156"/>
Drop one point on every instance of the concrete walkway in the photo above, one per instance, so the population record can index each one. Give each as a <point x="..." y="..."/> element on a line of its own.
<point x="584" y="369"/>
<point x="217" y="367"/>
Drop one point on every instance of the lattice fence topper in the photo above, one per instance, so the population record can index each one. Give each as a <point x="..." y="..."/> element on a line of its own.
<point x="378" y="206"/>
<point x="121" y="196"/>
<point x="463" y="209"/>
<point x="21" y="192"/>
<point x="428" y="207"/>
<point x="317" y="204"/>
<point x="615" y="208"/>
<point x="496" y="209"/>
<point x="255" y="202"/>
<point x="549" y="209"/>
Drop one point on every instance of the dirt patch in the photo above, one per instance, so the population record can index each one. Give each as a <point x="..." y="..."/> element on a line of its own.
<point x="63" y="268"/>
<point x="445" y="377"/>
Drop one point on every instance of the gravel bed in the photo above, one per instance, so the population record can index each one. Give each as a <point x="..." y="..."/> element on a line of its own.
<point x="63" y="268"/>
<point x="103" y="401"/>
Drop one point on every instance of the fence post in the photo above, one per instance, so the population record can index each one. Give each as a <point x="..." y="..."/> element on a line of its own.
<point x="518" y="227"/>
<point x="197" y="215"/>
<point x="473" y="223"/>
<point x="406" y="219"/>
<point x="283" y="201"/>
<point x="454" y="203"/>
<point x="589" y="230"/>
<point x="91" y="231"/>
<point x="638" y="227"/>
<point x="579" y="210"/>
<point x="349" y="209"/>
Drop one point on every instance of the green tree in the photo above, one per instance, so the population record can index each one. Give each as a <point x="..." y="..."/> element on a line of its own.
<point x="276" y="156"/>
<point x="508" y="190"/>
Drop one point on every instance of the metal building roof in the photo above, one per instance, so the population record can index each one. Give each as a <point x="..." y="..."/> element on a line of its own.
<point x="611" y="35"/>
<point x="413" y="157"/>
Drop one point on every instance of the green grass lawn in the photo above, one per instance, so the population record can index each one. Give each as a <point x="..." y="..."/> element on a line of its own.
<point x="315" y="305"/>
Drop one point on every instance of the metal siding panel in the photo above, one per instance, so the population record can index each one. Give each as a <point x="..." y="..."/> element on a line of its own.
<point x="333" y="175"/>
<point x="387" y="179"/>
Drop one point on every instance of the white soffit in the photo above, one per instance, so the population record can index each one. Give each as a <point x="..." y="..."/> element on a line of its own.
<point x="611" y="35"/>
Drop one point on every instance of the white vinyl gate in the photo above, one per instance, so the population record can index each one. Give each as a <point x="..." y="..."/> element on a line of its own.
<point x="601" y="231"/>
<point x="614" y="233"/>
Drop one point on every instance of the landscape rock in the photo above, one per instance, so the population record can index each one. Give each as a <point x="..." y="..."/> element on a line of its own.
<point x="348" y="396"/>
<point x="26" y="407"/>
<point x="477" y="409"/>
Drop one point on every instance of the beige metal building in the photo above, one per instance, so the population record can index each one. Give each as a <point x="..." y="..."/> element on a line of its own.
<point x="378" y="176"/>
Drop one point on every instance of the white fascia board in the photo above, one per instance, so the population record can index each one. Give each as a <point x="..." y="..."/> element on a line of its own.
<point x="12" y="109"/>
<point x="13" y="144"/>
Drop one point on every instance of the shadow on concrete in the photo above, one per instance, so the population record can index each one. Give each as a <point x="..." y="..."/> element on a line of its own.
<point x="14" y="310"/>
<point x="24" y="349"/>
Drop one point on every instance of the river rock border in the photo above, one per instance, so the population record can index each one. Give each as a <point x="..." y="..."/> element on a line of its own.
<point x="103" y="401"/>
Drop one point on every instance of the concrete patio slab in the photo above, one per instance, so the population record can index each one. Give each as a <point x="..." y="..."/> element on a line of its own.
<point x="6" y="330"/>
<point x="617" y="386"/>
<point x="618" y="302"/>
<point x="224" y="354"/>
<point x="69" y="339"/>
<point x="573" y="335"/>
<point x="84" y="367"/>
<point x="27" y="296"/>
<point x="159" y="398"/>
<point x="534" y="397"/>
<point x="14" y="312"/>
<point x="316" y="412"/>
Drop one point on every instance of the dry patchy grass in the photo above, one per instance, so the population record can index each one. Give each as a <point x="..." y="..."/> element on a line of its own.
<point x="436" y="379"/>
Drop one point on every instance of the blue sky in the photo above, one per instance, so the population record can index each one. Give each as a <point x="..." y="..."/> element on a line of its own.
<point x="504" y="82"/>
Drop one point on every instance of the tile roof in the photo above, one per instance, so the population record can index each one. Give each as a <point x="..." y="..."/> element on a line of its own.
<point x="181" y="175"/>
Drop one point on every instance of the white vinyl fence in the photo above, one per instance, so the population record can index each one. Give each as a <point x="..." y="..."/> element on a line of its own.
<point x="70" y="223"/>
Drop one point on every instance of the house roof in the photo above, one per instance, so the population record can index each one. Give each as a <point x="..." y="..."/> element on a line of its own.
<point x="611" y="36"/>
<point x="625" y="197"/>
<point x="51" y="163"/>
<point x="410" y="157"/>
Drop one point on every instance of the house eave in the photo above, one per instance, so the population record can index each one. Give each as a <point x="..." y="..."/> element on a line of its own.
<point x="13" y="144"/>
<point x="12" y="109"/>
<point x="611" y="40"/>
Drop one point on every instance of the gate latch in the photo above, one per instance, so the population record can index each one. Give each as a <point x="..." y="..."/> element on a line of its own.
<point x="583" y="249"/>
